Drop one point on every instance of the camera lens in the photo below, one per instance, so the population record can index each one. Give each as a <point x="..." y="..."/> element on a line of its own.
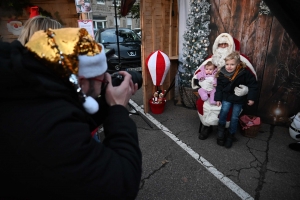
<point x="135" y="76"/>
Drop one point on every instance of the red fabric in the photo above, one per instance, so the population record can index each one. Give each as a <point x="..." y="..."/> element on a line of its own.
<point x="93" y="133"/>
<point x="237" y="44"/>
<point x="160" y="68"/>
<point x="199" y="105"/>
<point x="126" y="5"/>
<point x="34" y="11"/>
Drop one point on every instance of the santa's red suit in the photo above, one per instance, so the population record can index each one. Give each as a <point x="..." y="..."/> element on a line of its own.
<point x="209" y="113"/>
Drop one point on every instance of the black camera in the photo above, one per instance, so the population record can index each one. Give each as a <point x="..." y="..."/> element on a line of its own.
<point x="136" y="77"/>
<point x="118" y="78"/>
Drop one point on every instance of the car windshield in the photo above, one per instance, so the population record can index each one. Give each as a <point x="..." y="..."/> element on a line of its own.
<point x="109" y="36"/>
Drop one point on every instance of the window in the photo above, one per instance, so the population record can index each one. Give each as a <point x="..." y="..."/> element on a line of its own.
<point x="129" y="22"/>
<point x="125" y="35"/>
<point x="100" y="1"/>
<point x="118" y="22"/>
<point x="99" y="22"/>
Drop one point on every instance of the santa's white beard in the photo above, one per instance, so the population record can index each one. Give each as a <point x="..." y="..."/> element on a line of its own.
<point x="219" y="56"/>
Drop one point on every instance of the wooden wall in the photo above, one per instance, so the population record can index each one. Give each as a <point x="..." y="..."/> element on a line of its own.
<point x="61" y="10"/>
<point x="159" y="23"/>
<point x="273" y="54"/>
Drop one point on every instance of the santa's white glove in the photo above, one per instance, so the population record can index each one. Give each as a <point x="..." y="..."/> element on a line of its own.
<point x="242" y="90"/>
<point x="206" y="85"/>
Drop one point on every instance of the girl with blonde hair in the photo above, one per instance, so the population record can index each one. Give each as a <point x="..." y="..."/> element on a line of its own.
<point x="233" y="74"/>
<point x="35" y="24"/>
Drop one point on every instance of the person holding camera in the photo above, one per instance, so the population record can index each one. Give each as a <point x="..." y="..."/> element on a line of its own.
<point x="49" y="108"/>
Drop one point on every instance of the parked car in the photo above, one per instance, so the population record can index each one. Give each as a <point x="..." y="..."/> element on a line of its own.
<point x="138" y="31"/>
<point x="129" y="45"/>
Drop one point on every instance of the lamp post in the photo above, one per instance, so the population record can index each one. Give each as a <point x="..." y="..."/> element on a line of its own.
<point x="117" y="31"/>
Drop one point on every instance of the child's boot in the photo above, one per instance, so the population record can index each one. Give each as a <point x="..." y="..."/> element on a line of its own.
<point x="205" y="132"/>
<point x="229" y="140"/>
<point x="221" y="135"/>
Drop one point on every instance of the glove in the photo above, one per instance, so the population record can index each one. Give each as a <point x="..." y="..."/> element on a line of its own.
<point x="206" y="85"/>
<point x="242" y="90"/>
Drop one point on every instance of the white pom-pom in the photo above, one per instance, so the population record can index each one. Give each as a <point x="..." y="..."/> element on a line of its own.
<point x="90" y="105"/>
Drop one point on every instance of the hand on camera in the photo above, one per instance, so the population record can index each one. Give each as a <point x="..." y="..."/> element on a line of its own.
<point x="120" y="95"/>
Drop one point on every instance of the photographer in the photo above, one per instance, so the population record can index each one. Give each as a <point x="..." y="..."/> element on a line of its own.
<point x="47" y="117"/>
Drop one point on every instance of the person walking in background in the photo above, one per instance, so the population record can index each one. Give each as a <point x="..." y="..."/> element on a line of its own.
<point x="35" y="24"/>
<point x="232" y="75"/>
<point x="208" y="72"/>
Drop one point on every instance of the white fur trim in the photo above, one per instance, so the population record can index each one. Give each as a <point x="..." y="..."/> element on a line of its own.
<point x="219" y="39"/>
<point x="247" y="62"/>
<point x="195" y="75"/>
<point x="90" y="105"/>
<point x="210" y="115"/>
<point x="91" y="66"/>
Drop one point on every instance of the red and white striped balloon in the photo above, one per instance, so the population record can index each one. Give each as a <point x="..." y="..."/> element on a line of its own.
<point x="158" y="64"/>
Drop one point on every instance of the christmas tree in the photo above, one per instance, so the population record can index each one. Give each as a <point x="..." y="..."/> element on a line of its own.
<point x="196" y="40"/>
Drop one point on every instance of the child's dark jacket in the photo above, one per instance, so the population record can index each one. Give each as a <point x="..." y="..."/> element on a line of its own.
<point x="225" y="87"/>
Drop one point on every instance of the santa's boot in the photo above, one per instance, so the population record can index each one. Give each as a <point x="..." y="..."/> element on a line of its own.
<point x="205" y="132"/>
<point x="229" y="140"/>
<point x="221" y="135"/>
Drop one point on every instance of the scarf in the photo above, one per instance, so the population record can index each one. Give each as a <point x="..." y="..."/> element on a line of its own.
<point x="231" y="75"/>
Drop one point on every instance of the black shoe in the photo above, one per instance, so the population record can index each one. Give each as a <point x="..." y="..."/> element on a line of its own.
<point x="221" y="141"/>
<point x="221" y="135"/>
<point x="205" y="132"/>
<point x="229" y="140"/>
<point x="234" y="139"/>
<point x="295" y="146"/>
<point x="228" y="143"/>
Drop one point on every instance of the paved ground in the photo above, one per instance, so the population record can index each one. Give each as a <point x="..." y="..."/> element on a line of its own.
<point x="177" y="165"/>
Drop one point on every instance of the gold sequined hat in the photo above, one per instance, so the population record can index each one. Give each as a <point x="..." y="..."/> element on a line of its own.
<point x="69" y="51"/>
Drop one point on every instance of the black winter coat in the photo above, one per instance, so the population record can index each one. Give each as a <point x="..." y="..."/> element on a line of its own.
<point x="46" y="148"/>
<point x="225" y="87"/>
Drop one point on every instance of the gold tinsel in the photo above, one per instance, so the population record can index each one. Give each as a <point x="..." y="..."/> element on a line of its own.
<point x="60" y="48"/>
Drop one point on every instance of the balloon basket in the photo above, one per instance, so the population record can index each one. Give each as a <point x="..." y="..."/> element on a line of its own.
<point x="157" y="108"/>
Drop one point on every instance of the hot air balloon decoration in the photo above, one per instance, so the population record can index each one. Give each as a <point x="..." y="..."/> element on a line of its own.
<point x="158" y="64"/>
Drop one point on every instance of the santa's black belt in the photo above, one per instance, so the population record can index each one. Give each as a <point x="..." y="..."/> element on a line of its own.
<point x="294" y="129"/>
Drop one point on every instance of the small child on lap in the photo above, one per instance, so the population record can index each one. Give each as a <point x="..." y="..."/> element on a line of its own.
<point x="208" y="72"/>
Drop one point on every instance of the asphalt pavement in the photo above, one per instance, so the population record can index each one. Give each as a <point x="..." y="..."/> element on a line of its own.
<point x="177" y="165"/>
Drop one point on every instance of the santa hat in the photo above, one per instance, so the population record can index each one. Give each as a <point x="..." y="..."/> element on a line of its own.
<point x="91" y="66"/>
<point x="70" y="52"/>
<point x="224" y="38"/>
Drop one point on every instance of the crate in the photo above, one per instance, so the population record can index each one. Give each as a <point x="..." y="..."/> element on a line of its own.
<point x="188" y="97"/>
<point x="250" y="131"/>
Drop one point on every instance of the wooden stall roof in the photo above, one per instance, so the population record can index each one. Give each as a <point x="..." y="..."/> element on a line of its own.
<point x="159" y="23"/>
<point x="63" y="11"/>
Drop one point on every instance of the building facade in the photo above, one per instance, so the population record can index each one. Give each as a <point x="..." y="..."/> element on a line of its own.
<point x="103" y="15"/>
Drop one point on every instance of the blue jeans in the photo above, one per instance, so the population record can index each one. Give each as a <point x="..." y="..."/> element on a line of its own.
<point x="235" y="115"/>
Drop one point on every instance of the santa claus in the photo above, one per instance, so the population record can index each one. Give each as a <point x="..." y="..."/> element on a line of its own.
<point x="208" y="114"/>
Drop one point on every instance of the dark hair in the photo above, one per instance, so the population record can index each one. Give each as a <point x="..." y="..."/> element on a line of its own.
<point x="209" y="63"/>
